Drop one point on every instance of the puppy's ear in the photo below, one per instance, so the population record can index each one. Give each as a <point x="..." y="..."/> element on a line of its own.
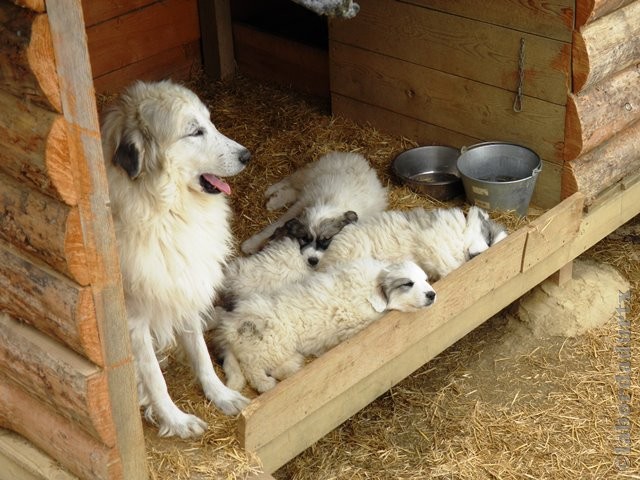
<point x="129" y="155"/>
<point x="349" y="217"/>
<point x="378" y="300"/>
<point x="295" y="228"/>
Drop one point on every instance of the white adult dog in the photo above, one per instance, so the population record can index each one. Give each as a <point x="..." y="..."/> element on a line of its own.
<point x="334" y="191"/>
<point x="267" y="336"/>
<point x="439" y="240"/>
<point x="164" y="159"/>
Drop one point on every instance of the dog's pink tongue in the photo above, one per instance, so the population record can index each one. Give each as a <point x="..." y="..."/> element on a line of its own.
<point x="219" y="184"/>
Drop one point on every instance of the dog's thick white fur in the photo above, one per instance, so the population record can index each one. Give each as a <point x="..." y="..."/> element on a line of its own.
<point x="278" y="264"/>
<point x="268" y="336"/>
<point x="335" y="190"/>
<point x="439" y="240"/>
<point x="164" y="159"/>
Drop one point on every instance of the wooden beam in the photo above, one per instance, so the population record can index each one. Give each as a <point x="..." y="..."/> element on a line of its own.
<point x="217" y="38"/>
<point x="603" y="166"/>
<point x="20" y="460"/>
<point x="606" y="46"/>
<point x="589" y="10"/>
<point x="44" y="228"/>
<point x="34" y="293"/>
<point x="61" y="439"/>
<point x="68" y="383"/>
<point x="597" y="113"/>
<point x="34" y="148"/>
<point x="361" y="369"/>
<point x="28" y="69"/>
<point x="79" y="107"/>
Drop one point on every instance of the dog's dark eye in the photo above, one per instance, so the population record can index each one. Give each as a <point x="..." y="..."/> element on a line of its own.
<point x="304" y="241"/>
<point x="197" y="132"/>
<point x="323" y="243"/>
<point x="408" y="284"/>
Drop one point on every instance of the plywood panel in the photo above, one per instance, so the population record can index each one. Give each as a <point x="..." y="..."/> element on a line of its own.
<point x="541" y="17"/>
<point x="460" y="46"/>
<point x="455" y="103"/>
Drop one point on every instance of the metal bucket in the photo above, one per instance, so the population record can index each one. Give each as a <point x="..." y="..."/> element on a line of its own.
<point x="499" y="175"/>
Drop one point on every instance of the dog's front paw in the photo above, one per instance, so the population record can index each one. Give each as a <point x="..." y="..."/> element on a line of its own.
<point x="228" y="401"/>
<point x="182" y="425"/>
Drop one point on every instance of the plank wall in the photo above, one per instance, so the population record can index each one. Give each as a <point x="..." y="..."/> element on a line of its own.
<point x="445" y="72"/>
<point x="141" y="40"/>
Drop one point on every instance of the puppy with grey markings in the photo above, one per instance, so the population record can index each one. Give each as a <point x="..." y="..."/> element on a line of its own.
<point x="439" y="240"/>
<point x="165" y="161"/>
<point x="267" y="336"/>
<point x="336" y="190"/>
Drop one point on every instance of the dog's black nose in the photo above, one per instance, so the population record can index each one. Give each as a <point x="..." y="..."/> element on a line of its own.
<point x="313" y="261"/>
<point x="431" y="295"/>
<point x="245" y="156"/>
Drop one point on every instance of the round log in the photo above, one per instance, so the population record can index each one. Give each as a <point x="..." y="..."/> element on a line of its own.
<point x="590" y="10"/>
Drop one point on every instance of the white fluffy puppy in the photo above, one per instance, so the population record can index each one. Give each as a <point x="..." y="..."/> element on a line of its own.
<point x="267" y="336"/>
<point x="438" y="240"/>
<point x="335" y="190"/>
<point x="164" y="159"/>
<point x="278" y="264"/>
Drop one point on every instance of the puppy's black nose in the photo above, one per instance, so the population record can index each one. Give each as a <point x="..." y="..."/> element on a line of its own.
<point x="431" y="295"/>
<point x="313" y="261"/>
<point x="245" y="156"/>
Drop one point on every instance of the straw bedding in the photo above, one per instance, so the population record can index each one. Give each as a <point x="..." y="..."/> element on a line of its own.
<point x="498" y="404"/>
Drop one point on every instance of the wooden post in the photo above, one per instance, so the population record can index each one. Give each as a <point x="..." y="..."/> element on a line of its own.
<point x="217" y="38"/>
<point x="563" y="275"/>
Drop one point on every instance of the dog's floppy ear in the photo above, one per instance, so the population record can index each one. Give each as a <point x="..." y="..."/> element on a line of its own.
<point x="129" y="155"/>
<point x="349" y="217"/>
<point x="295" y="228"/>
<point x="378" y="300"/>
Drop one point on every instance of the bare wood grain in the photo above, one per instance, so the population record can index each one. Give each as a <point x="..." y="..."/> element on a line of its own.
<point x="26" y="56"/>
<point x="34" y="148"/>
<point x="54" y="434"/>
<point x="66" y="382"/>
<point x="599" y="112"/>
<point x="606" y="46"/>
<point x="590" y="10"/>
<point x="34" y="293"/>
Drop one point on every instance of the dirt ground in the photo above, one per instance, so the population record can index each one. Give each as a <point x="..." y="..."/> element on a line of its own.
<point x="498" y="404"/>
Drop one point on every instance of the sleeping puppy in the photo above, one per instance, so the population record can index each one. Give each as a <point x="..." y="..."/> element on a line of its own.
<point x="334" y="191"/>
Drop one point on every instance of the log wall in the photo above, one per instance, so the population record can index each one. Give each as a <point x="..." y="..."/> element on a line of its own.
<point x="602" y="126"/>
<point x="66" y="373"/>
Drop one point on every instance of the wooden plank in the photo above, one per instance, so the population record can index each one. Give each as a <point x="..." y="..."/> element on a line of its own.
<point x="345" y="361"/>
<point x="547" y="19"/>
<point x="590" y="10"/>
<point x="44" y="228"/>
<point x="595" y="171"/>
<point x="100" y="11"/>
<point x="217" y="38"/>
<point x="34" y="148"/>
<point x="69" y="384"/>
<point x="176" y="63"/>
<point x="79" y="106"/>
<point x="59" y="438"/>
<point x="599" y="112"/>
<point x="285" y="61"/>
<point x="448" y="101"/>
<point x="26" y="56"/>
<point x="546" y="193"/>
<point x="464" y="47"/>
<point x="49" y="301"/>
<point x="265" y="418"/>
<point x="606" y="46"/>
<point x="552" y="230"/>
<point x="21" y="460"/>
<point x="143" y="33"/>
